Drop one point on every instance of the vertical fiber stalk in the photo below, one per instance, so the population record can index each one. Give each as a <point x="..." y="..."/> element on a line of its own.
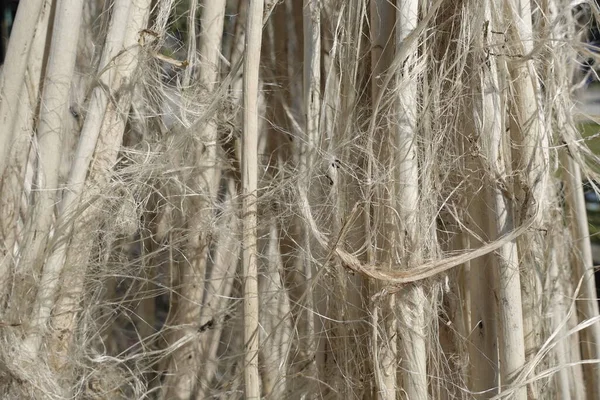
<point x="583" y="268"/>
<point x="312" y="72"/>
<point x="218" y="291"/>
<point x="87" y="143"/>
<point x="559" y="311"/>
<point x="106" y="151"/>
<point x="531" y="162"/>
<point x="312" y="106"/>
<point x="191" y="38"/>
<point x="556" y="76"/>
<point x="98" y="104"/>
<point x="13" y="184"/>
<point x="55" y="104"/>
<point x="26" y="24"/>
<point x="483" y="339"/>
<point x="249" y="197"/>
<point x="193" y="271"/>
<point x="411" y="300"/>
<point x="508" y="283"/>
<point x="384" y="344"/>
<point x="352" y="290"/>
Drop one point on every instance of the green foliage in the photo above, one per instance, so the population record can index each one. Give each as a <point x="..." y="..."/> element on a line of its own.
<point x="591" y="132"/>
